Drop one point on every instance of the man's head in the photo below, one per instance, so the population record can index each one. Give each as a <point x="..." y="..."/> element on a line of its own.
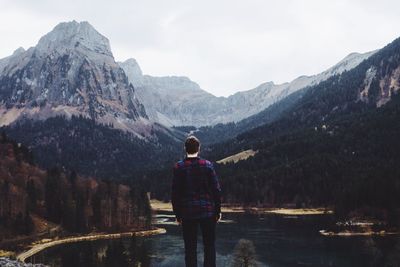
<point x="192" y="145"/>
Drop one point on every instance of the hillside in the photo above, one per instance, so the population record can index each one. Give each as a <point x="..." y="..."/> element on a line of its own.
<point x="366" y="88"/>
<point x="93" y="149"/>
<point x="335" y="144"/>
<point x="36" y="203"/>
<point x="71" y="103"/>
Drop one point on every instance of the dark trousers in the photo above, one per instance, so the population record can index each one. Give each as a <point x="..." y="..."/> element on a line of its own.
<point x="189" y="228"/>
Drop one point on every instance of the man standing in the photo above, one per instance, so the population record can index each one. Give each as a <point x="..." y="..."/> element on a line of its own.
<point x="196" y="201"/>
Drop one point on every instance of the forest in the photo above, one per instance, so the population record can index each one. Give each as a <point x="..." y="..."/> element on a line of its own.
<point x="32" y="198"/>
<point x="93" y="149"/>
<point x="324" y="146"/>
<point x="350" y="164"/>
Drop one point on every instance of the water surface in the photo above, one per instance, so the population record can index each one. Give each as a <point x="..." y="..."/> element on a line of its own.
<point x="280" y="241"/>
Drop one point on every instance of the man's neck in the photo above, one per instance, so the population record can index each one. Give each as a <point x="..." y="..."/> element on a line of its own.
<point x="195" y="155"/>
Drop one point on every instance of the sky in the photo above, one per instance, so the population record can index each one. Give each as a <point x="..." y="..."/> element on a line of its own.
<point x="224" y="45"/>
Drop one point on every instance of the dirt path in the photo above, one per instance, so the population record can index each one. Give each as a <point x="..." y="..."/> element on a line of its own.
<point x="39" y="247"/>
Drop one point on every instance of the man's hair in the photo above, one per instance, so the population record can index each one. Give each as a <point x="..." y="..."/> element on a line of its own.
<point x="192" y="144"/>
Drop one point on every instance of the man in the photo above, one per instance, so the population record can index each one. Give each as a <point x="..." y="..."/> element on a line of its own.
<point x="196" y="201"/>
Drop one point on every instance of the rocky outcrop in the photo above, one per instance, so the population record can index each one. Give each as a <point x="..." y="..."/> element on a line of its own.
<point x="381" y="83"/>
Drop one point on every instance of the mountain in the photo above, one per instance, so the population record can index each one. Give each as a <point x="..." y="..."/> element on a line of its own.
<point x="177" y="101"/>
<point x="221" y="132"/>
<point x="336" y="145"/>
<point x="73" y="106"/>
<point x="368" y="87"/>
<point x="171" y="100"/>
<point x="325" y="140"/>
<point x="71" y="71"/>
<point x="333" y="144"/>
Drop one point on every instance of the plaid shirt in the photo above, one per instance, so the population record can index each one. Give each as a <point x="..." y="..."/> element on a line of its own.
<point x="196" y="192"/>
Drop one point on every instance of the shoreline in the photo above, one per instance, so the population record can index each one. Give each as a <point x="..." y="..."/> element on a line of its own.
<point x="357" y="227"/>
<point x="166" y="206"/>
<point x="36" y="248"/>
<point x="350" y="234"/>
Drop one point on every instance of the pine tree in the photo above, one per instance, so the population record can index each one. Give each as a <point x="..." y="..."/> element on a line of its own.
<point x="32" y="194"/>
<point x="244" y="254"/>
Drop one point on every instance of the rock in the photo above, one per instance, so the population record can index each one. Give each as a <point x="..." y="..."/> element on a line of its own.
<point x="6" y="262"/>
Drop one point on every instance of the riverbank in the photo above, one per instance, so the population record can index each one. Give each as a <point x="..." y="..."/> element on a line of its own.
<point x="167" y="207"/>
<point x="297" y="240"/>
<point x="282" y="211"/>
<point x="47" y="243"/>
<point x="350" y="233"/>
<point x="357" y="227"/>
<point x="6" y="254"/>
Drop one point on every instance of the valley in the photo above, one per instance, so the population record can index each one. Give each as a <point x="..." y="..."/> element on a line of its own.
<point x="88" y="143"/>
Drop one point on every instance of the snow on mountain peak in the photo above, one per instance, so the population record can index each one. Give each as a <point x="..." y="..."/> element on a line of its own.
<point x="70" y="35"/>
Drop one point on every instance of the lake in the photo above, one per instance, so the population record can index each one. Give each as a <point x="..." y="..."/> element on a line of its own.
<point x="280" y="241"/>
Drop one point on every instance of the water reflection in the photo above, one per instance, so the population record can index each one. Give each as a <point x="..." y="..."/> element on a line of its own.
<point x="278" y="241"/>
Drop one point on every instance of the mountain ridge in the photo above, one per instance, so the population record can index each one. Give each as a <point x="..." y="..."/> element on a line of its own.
<point x="201" y="108"/>
<point x="73" y="64"/>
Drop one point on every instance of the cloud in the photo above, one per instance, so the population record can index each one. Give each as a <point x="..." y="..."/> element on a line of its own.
<point x="224" y="45"/>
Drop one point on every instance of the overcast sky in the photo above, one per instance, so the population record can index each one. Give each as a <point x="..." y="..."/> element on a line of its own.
<point x="224" y="45"/>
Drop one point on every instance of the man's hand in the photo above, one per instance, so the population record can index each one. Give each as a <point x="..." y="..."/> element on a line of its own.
<point x="218" y="217"/>
<point x="179" y="221"/>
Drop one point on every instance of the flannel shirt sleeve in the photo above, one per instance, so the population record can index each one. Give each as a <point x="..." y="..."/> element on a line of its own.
<point x="176" y="193"/>
<point x="216" y="189"/>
